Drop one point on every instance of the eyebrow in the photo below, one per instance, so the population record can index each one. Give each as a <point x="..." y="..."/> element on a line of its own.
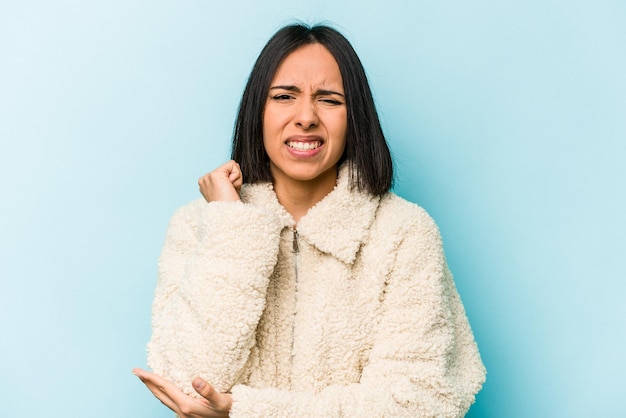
<point x="320" y="92"/>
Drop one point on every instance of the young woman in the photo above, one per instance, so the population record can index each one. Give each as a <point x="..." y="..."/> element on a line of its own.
<point x="300" y="286"/>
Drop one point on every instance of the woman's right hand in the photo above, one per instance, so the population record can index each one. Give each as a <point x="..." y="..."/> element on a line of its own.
<point x="212" y="404"/>
<point x="222" y="184"/>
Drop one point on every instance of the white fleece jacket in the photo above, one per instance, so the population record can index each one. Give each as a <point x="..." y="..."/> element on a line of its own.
<point x="359" y="317"/>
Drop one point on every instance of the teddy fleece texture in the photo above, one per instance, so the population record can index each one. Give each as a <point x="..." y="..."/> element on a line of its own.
<point x="354" y="315"/>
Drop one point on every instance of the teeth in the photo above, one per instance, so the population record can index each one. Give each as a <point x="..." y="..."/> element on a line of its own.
<point x="303" y="146"/>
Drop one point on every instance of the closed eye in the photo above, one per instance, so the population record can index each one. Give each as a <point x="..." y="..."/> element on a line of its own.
<point x="282" y="97"/>
<point x="330" y="101"/>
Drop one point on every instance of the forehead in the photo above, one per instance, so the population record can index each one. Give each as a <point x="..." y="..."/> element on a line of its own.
<point x="311" y="64"/>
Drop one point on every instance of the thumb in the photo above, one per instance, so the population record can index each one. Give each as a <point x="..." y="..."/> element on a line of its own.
<point x="235" y="172"/>
<point x="204" y="389"/>
<point x="235" y="176"/>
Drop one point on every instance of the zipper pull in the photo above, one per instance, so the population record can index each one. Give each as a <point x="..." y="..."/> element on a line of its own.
<point x="296" y="248"/>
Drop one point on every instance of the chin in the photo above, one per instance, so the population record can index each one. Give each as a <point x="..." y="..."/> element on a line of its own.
<point x="303" y="172"/>
<point x="310" y="174"/>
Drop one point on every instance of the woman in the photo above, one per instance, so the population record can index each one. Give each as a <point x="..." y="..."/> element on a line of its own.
<point x="299" y="285"/>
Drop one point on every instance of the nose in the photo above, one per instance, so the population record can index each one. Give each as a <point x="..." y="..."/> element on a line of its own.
<point x="306" y="115"/>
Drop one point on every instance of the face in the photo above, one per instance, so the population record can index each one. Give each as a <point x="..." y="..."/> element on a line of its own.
<point x="305" y="118"/>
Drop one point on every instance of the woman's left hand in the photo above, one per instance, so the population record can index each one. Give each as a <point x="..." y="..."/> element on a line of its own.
<point x="212" y="404"/>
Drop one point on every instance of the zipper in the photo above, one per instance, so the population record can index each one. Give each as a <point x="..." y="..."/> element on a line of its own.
<point x="296" y="251"/>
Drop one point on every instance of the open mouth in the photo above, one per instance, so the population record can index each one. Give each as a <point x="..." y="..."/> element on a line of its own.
<point x="304" y="146"/>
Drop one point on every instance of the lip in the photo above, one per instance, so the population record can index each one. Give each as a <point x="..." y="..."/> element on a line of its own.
<point x="307" y="139"/>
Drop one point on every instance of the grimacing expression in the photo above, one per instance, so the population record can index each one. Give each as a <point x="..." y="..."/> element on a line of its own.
<point x="305" y="117"/>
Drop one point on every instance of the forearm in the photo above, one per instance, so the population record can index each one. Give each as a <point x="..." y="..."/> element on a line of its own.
<point x="211" y="293"/>
<point x="367" y="399"/>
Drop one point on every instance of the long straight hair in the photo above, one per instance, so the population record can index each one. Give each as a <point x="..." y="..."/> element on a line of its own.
<point x="366" y="151"/>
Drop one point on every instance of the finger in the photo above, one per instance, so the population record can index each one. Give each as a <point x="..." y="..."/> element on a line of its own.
<point x="236" y="176"/>
<point x="156" y="384"/>
<point x="216" y="401"/>
<point x="159" y="388"/>
<point x="161" y="395"/>
<point x="232" y="168"/>
<point x="236" y="180"/>
<point x="204" y="389"/>
<point x="221" y="184"/>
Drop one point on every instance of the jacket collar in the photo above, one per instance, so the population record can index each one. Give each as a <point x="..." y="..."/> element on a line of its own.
<point x="338" y="224"/>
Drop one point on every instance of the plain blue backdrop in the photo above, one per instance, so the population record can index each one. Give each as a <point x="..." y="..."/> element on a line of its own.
<point x="507" y="121"/>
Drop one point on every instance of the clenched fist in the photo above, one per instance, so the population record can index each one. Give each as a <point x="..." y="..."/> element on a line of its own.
<point x="222" y="184"/>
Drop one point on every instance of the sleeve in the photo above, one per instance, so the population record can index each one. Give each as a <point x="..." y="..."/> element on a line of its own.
<point x="213" y="273"/>
<point x="424" y="361"/>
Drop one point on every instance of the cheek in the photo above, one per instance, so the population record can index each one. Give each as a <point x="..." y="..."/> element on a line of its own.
<point x="273" y="121"/>
<point x="341" y="126"/>
<point x="343" y="130"/>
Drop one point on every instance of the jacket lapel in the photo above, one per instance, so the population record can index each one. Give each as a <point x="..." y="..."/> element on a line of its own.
<point x="337" y="225"/>
<point x="340" y="222"/>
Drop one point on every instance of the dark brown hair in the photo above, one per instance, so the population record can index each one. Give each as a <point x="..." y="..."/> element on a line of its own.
<point x="366" y="149"/>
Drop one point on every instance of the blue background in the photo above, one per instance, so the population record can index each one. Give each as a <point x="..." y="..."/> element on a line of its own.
<point x="507" y="121"/>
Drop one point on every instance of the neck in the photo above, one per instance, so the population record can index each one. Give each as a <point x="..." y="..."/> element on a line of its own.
<point x="297" y="197"/>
